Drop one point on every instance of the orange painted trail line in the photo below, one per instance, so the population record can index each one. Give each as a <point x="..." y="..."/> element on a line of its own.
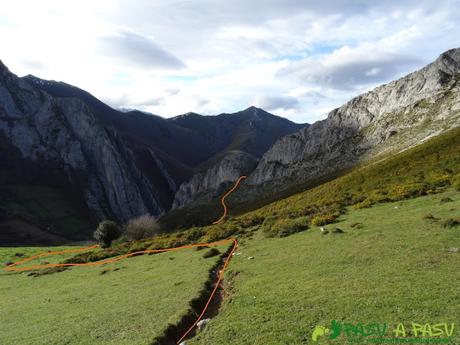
<point x="222" y="200"/>
<point x="12" y="268"/>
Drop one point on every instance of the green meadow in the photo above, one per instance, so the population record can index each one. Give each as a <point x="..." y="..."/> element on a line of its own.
<point x="394" y="262"/>
<point x="128" y="302"/>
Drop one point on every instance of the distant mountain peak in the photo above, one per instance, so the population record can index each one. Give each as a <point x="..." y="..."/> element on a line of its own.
<point x="190" y="114"/>
<point x="255" y="110"/>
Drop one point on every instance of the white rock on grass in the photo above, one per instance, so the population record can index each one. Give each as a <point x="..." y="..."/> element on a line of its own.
<point x="202" y="324"/>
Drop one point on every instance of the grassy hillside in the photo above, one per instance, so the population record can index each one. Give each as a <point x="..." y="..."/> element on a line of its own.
<point x="393" y="263"/>
<point x="15" y="254"/>
<point x="129" y="302"/>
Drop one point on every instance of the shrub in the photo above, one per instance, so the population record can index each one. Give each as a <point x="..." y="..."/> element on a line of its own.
<point x="106" y="232"/>
<point x="267" y="223"/>
<point x="211" y="252"/>
<point x="456" y="182"/>
<point x="49" y="270"/>
<point x="219" y="232"/>
<point x="286" y="227"/>
<point x="138" y="247"/>
<point x="200" y="248"/>
<point x="194" y="234"/>
<point x="141" y="227"/>
<point x="439" y="180"/>
<point x="363" y="204"/>
<point x="451" y="222"/>
<point x="251" y="220"/>
<point x="323" y="219"/>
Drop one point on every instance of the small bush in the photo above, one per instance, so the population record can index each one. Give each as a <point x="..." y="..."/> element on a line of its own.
<point x="138" y="247"/>
<point x="286" y="227"/>
<point x="211" y="252"/>
<point x="323" y="219"/>
<point x="219" y="232"/>
<point x="141" y="227"/>
<point x="444" y="200"/>
<point x="106" y="232"/>
<point x="363" y="204"/>
<point x="451" y="222"/>
<point x="251" y="220"/>
<point x="198" y="248"/>
<point x="456" y="182"/>
<point x="267" y="224"/>
<point x="194" y="234"/>
<point x="49" y="270"/>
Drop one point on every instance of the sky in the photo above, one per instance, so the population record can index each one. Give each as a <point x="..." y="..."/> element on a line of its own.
<point x="295" y="58"/>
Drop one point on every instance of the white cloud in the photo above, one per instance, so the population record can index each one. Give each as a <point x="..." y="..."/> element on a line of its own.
<point x="275" y="102"/>
<point x="350" y="68"/>
<point x="134" y="49"/>
<point x="299" y="57"/>
<point x="374" y="71"/>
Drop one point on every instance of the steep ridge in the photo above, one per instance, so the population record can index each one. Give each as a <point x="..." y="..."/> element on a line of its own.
<point x="386" y="120"/>
<point x="64" y="137"/>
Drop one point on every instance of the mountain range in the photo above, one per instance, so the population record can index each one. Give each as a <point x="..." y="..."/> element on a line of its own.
<point x="103" y="163"/>
<point x="67" y="160"/>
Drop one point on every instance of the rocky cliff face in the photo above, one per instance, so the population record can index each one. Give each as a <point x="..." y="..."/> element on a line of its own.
<point x="204" y="187"/>
<point x="115" y="165"/>
<point x="65" y="132"/>
<point x="388" y="119"/>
